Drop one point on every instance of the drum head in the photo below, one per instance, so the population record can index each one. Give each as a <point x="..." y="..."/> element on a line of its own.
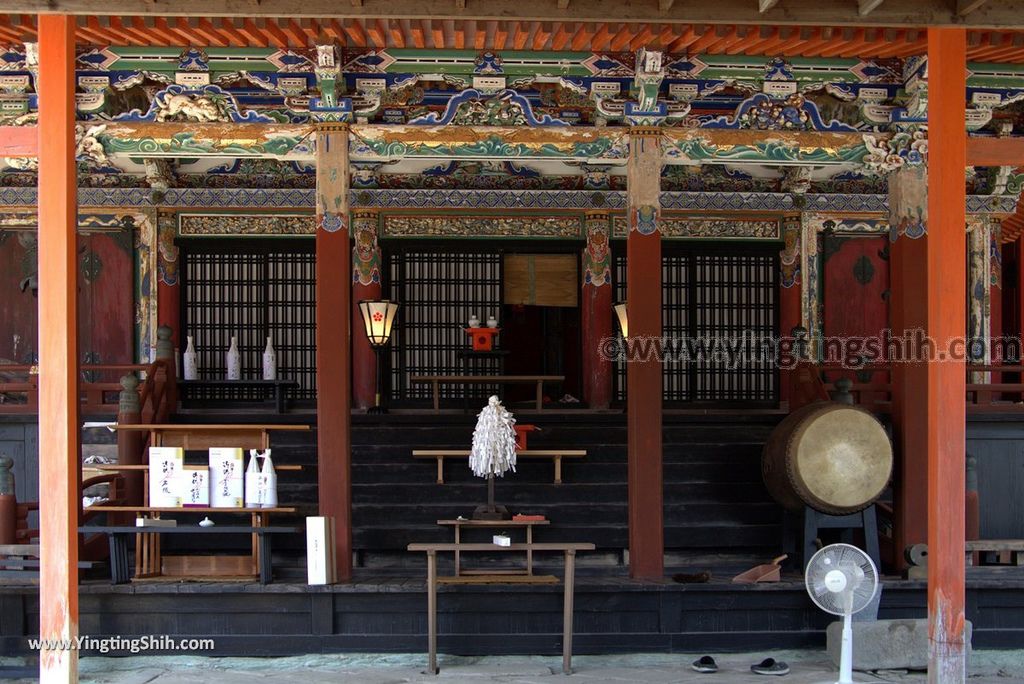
<point x="843" y="458"/>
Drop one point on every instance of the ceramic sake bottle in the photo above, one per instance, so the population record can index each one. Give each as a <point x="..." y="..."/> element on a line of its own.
<point x="234" y="361"/>
<point x="269" y="361"/>
<point x="268" y="482"/>
<point x="474" y="321"/>
<point x="188" y="361"/>
<point x="252" y="481"/>
<point x="492" y="322"/>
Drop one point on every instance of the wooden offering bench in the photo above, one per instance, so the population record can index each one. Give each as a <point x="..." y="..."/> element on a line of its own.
<point x="494" y="525"/>
<point x="555" y="455"/>
<point x="433" y="580"/>
<point x="438" y="380"/>
<point x="149" y="560"/>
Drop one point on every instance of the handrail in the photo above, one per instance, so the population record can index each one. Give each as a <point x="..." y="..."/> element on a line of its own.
<point x="95" y="395"/>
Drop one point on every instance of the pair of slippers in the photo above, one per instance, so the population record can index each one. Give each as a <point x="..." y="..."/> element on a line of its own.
<point x="768" y="666"/>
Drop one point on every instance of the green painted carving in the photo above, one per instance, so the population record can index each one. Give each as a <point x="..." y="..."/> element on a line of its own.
<point x="187" y="144"/>
<point x="764" y="152"/>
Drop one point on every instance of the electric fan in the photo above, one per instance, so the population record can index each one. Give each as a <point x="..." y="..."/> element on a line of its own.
<point x="842" y="580"/>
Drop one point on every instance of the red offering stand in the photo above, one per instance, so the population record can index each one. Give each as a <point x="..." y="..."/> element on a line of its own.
<point x="482" y="339"/>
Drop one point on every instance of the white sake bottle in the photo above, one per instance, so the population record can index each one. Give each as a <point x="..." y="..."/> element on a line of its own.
<point x="252" y="481"/>
<point x="188" y="361"/>
<point x="268" y="482"/>
<point x="269" y="361"/>
<point x="234" y="361"/>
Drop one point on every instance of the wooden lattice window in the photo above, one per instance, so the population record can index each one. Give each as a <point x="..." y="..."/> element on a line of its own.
<point x="711" y="293"/>
<point x="251" y="290"/>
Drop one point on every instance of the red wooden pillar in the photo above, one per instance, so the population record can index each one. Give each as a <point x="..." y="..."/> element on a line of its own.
<point x="333" y="348"/>
<point x="59" y="459"/>
<point x="366" y="284"/>
<point x="596" y="311"/>
<point x="945" y="395"/>
<point x="907" y="280"/>
<point x="644" y="375"/>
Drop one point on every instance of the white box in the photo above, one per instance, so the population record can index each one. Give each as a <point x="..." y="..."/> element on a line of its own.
<point x="502" y="540"/>
<point x="321" y="559"/>
<point x="227" y="483"/>
<point x="194" y="486"/>
<point x="164" y="465"/>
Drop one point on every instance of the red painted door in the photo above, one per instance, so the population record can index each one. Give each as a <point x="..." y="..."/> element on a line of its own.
<point x="855" y="296"/>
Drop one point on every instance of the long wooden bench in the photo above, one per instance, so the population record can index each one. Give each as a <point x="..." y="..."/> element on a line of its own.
<point x="555" y="455"/>
<point x="1014" y="547"/>
<point x="438" y="380"/>
<point x="569" y="549"/>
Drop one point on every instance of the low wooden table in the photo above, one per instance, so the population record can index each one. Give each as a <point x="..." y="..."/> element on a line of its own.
<point x="438" y="380"/>
<point x="118" y="535"/>
<point x="500" y="524"/>
<point x="280" y="388"/>
<point x="202" y="437"/>
<point x="569" y="549"/>
<point x="149" y="560"/>
<point x="555" y="455"/>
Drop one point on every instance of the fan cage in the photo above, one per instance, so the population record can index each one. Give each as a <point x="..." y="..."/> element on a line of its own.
<point x="834" y="557"/>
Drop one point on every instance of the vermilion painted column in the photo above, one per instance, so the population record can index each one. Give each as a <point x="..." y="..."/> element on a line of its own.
<point x="644" y="376"/>
<point x="333" y="347"/>
<point x="59" y="451"/>
<point x="945" y="395"/>
<point x="366" y="284"/>
<point x="596" y="311"/>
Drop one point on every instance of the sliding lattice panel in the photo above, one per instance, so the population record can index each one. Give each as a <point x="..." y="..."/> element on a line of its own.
<point x="719" y="316"/>
<point x="251" y="293"/>
<point x="438" y="291"/>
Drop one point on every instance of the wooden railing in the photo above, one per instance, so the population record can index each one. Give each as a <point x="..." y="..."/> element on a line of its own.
<point x="19" y="387"/>
<point x="988" y="389"/>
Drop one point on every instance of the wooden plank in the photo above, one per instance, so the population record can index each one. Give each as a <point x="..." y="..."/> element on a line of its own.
<point x="333" y="348"/>
<point x="487" y="378"/>
<point x="59" y="462"/>
<point x="197" y="509"/>
<point x="530" y="453"/>
<point x="19" y="141"/>
<point x="891" y="13"/>
<point x="995" y="545"/>
<point x="995" y="151"/>
<point x="498" y="579"/>
<point x="536" y="546"/>
<point x="944" y="394"/>
<point x="206" y="566"/>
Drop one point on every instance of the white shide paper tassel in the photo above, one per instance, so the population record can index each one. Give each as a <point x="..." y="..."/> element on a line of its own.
<point x="494" y="441"/>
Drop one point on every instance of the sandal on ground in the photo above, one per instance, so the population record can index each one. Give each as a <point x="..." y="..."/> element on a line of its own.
<point x="770" y="666"/>
<point x="705" y="664"/>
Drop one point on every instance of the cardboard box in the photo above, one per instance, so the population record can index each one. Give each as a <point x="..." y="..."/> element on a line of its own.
<point x="227" y="483"/>
<point x="194" y="486"/>
<point x="321" y="558"/>
<point x="165" y="464"/>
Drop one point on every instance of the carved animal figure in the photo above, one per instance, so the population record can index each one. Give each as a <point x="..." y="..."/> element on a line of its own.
<point x="202" y="109"/>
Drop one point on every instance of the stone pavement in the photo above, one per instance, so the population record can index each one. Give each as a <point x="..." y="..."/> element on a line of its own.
<point x="807" y="667"/>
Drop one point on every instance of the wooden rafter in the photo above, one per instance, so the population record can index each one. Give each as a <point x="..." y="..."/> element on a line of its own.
<point x="1005" y="13"/>
<point x="866" y="7"/>
<point x="965" y="7"/>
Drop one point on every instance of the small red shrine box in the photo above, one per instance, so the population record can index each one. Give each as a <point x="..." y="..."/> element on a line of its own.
<point x="521" y="433"/>
<point x="482" y="339"/>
